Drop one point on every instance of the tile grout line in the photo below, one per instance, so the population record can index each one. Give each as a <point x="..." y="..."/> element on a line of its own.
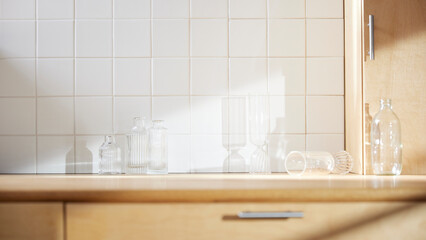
<point x="229" y="80"/>
<point x="74" y="88"/>
<point x="151" y="75"/>
<point x="35" y="83"/>
<point x="113" y="69"/>
<point x="306" y="77"/>
<point x="267" y="80"/>
<point x="190" y="85"/>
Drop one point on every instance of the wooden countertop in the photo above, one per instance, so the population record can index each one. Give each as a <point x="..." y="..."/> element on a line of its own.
<point x="211" y="188"/>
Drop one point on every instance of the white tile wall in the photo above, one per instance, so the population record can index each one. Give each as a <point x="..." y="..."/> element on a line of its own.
<point x="72" y="71"/>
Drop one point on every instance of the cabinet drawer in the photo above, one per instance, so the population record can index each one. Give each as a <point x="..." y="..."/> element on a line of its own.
<point x="35" y="221"/>
<point x="219" y="221"/>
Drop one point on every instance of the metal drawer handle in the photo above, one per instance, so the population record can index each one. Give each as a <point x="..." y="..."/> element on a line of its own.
<point x="371" y="36"/>
<point x="269" y="215"/>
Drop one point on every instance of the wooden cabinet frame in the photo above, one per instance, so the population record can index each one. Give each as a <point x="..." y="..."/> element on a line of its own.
<point x="354" y="119"/>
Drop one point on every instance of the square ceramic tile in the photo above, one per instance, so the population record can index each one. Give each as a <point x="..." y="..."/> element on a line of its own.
<point x="280" y="145"/>
<point x="132" y="8"/>
<point x="235" y="119"/>
<point x="17" y="154"/>
<point x="325" y="37"/>
<point x="17" y="39"/>
<point x="207" y="153"/>
<point x="132" y="76"/>
<point x="247" y="8"/>
<point x="93" y="76"/>
<point x="171" y="76"/>
<point x="286" y="8"/>
<point x="127" y="108"/>
<point x="55" y="115"/>
<point x="209" y="37"/>
<point x="175" y="111"/>
<point x="325" y="142"/>
<point x="287" y="38"/>
<point x="55" y="77"/>
<point x="93" y="115"/>
<point x="87" y="153"/>
<point x="170" y="38"/>
<point x="94" y="38"/>
<point x="55" y="9"/>
<point x="132" y="38"/>
<point x="287" y="114"/>
<point x="206" y="115"/>
<point x="179" y="147"/>
<point x="17" y="77"/>
<point x="17" y="9"/>
<point x="247" y="38"/>
<point x="209" y="9"/>
<point x="325" y="114"/>
<point x="55" y="154"/>
<point x="324" y="8"/>
<point x="93" y="8"/>
<point x="209" y="76"/>
<point x="170" y="8"/>
<point x="325" y="76"/>
<point x="55" y="38"/>
<point x="17" y="116"/>
<point x="286" y="76"/>
<point x="247" y="75"/>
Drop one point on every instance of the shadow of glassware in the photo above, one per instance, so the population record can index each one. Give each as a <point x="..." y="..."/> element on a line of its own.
<point x="278" y="147"/>
<point x="83" y="159"/>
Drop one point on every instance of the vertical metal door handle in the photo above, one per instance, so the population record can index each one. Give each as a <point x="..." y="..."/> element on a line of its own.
<point x="371" y="36"/>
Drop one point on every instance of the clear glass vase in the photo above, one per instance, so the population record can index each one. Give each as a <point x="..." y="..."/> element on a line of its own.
<point x="137" y="144"/>
<point x="259" y="129"/>
<point x="386" y="146"/>
<point x="157" y="148"/>
<point x="234" y="119"/>
<point x="110" y="155"/>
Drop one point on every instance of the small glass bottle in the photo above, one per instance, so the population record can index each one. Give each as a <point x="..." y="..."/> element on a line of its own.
<point x="110" y="155"/>
<point x="386" y="147"/>
<point x="137" y="143"/>
<point x="157" y="148"/>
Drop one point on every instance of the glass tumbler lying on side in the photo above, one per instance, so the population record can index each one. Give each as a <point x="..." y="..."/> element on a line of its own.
<point x="318" y="163"/>
<point x="157" y="148"/>
<point x="110" y="155"/>
<point x="137" y="143"/>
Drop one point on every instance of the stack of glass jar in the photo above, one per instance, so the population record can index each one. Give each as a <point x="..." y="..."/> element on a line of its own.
<point x="146" y="151"/>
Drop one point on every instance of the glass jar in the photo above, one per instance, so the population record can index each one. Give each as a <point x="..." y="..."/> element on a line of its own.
<point x="137" y="143"/>
<point x="386" y="147"/>
<point x="157" y="148"/>
<point x="110" y="155"/>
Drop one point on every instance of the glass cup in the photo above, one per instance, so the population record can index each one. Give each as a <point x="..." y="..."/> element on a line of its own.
<point x="318" y="163"/>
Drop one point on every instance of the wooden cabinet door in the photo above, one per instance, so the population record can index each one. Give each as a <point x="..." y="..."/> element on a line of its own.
<point x="35" y="221"/>
<point x="399" y="72"/>
<point x="192" y="221"/>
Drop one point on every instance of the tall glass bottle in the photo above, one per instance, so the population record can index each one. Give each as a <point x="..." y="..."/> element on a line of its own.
<point x="157" y="148"/>
<point x="386" y="147"/>
<point x="137" y="143"/>
<point x="110" y="155"/>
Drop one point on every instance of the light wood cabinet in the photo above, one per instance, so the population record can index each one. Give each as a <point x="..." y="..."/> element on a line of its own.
<point x="373" y="220"/>
<point x="35" y="221"/>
